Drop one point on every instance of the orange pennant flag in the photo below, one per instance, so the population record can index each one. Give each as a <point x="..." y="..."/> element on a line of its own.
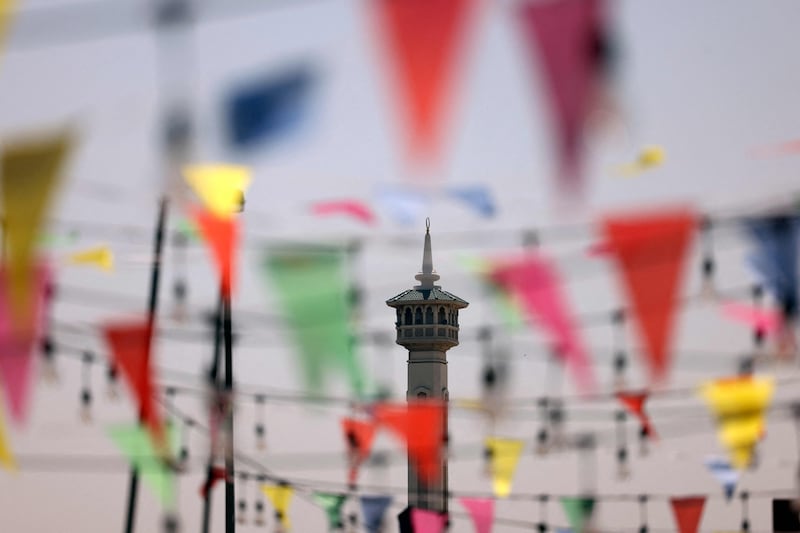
<point x="421" y="426"/>
<point x="649" y="249"/>
<point x="130" y="345"/>
<point x="359" y="436"/>
<point x="424" y="39"/>
<point x="634" y="403"/>
<point x="222" y="236"/>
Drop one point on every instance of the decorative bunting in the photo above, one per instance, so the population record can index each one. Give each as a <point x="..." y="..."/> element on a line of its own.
<point x="421" y="427"/>
<point x="478" y="197"/>
<point x="220" y="187"/>
<point x="311" y="287"/>
<point x="688" y="512"/>
<point x="266" y="109"/>
<point x="723" y="471"/>
<point x="482" y="512"/>
<point x="155" y="468"/>
<point x="281" y="497"/>
<point x="568" y="39"/>
<point x="373" y="508"/>
<point x="18" y="341"/>
<point x="425" y="521"/>
<point x="332" y="505"/>
<point x="763" y="320"/>
<point x="403" y="205"/>
<point x="130" y="345"/>
<point x="649" y="249"/>
<point x="503" y="455"/>
<point x="579" y="512"/>
<point x="100" y="257"/>
<point x="424" y="39"/>
<point x="739" y="404"/>
<point x="533" y="282"/>
<point x="358" y="210"/>
<point x="634" y="403"/>
<point x="222" y="236"/>
<point x="7" y="459"/>
<point x="30" y="172"/>
<point x="359" y="436"/>
<point x="649" y="158"/>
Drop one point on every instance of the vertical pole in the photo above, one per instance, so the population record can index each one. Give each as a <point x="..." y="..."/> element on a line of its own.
<point x="230" y="493"/>
<point x="152" y="307"/>
<point x="214" y="381"/>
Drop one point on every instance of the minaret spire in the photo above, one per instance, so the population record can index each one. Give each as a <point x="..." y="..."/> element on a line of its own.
<point x="427" y="276"/>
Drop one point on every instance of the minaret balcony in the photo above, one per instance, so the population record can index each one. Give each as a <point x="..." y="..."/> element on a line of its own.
<point x="426" y="333"/>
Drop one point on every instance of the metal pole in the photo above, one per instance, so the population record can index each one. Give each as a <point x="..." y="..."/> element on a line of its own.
<point x="230" y="494"/>
<point x="155" y="274"/>
<point x="214" y="380"/>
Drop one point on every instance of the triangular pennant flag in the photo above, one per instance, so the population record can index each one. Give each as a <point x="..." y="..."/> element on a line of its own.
<point x="503" y="456"/>
<point x="220" y="187"/>
<point x="332" y="505"/>
<point x="739" y="404"/>
<point x="29" y="175"/>
<point x="426" y="521"/>
<point x="421" y="426"/>
<point x="313" y="291"/>
<point x="130" y="345"/>
<point x="482" y="512"/>
<point x="764" y="320"/>
<point x="101" y="257"/>
<point x="688" y="512"/>
<point x="579" y="512"/>
<point x="649" y="158"/>
<point x="137" y="445"/>
<point x="373" y="508"/>
<point x="217" y="474"/>
<point x="649" y="249"/>
<point x="568" y="41"/>
<point x="354" y="208"/>
<point x="777" y="240"/>
<point x="222" y="236"/>
<point x="265" y="109"/>
<point x="477" y="197"/>
<point x="533" y="282"/>
<point x="634" y="403"/>
<point x="281" y="497"/>
<point x="424" y="39"/>
<point x="359" y="436"/>
<point x="723" y="471"/>
<point x="18" y="341"/>
<point x="7" y="460"/>
<point x="404" y="206"/>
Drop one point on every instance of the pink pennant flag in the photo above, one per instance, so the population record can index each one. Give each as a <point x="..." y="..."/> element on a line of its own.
<point x="353" y="208"/>
<point x="425" y="521"/>
<point x="482" y="512"/>
<point x="17" y="342"/>
<point x="534" y="282"/>
<point x="763" y="320"/>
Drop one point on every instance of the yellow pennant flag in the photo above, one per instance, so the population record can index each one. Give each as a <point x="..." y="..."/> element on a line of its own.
<point x="739" y="404"/>
<point x="220" y="187"/>
<point x="281" y="497"/>
<point x="649" y="158"/>
<point x="100" y="256"/>
<point x="503" y="458"/>
<point x="7" y="8"/>
<point x="6" y="455"/>
<point x="29" y="174"/>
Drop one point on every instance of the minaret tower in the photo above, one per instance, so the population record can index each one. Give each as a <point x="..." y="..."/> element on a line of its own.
<point x="427" y="326"/>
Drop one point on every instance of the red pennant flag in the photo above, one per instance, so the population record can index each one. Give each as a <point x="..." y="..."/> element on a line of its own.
<point x="634" y="403"/>
<point x="358" y="210"/>
<point x="359" y="436"/>
<point x="423" y="39"/>
<point x="688" y="512"/>
<point x="649" y="250"/>
<point x="563" y="37"/>
<point x="222" y="235"/>
<point x="130" y="347"/>
<point x="217" y="474"/>
<point x="421" y="426"/>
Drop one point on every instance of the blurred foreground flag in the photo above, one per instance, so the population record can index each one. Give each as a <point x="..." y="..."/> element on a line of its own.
<point x="281" y="497"/>
<point x="739" y="404"/>
<point x="7" y="8"/>
<point x="579" y="512"/>
<point x="352" y="208"/>
<point x="426" y="521"/>
<point x="481" y="510"/>
<point x="423" y="40"/>
<point x="477" y="197"/>
<point x="100" y="257"/>
<point x="220" y="187"/>
<point x="30" y="172"/>
<point x="649" y="250"/>
<point x="420" y="425"/>
<point x="404" y="205"/>
<point x="358" y="438"/>
<point x="503" y="458"/>
<point x="221" y="234"/>
<point x="18" y="341"/>
<point x="310" y="285"/>
<point x="332" y="505"/>
<point x="265" y="109"/>
<point x="569" y="42"/>
<point x="373" y="508"/>
<point x="7" y="460"/>
<point x="649" y="158"/>
<point x="154" y="466"/>
<point x="634" y="404"/>
<point x="687" y="512"/>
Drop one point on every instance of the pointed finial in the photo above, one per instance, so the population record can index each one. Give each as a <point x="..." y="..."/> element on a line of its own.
<point x="427" y="224"/>
<point x="427" y="276"/>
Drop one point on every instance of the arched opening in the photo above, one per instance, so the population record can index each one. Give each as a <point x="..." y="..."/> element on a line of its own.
<point x="442" y="316"/>
<point x="429" y="315"/>
<point x="408" y="317"/>
<point x="418" y="315"/>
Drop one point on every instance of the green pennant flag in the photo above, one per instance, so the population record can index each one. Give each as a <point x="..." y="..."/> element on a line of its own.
<point x="135" y="442"/>
<point x="332" y="505"/>
<point x="311" y="287"/>
<point x="578" y="511"/>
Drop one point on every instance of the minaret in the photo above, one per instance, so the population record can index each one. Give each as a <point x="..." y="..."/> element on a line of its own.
<point x="427" y="326"/>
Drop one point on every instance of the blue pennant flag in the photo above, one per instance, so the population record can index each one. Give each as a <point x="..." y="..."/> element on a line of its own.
<point x="404" y="206"/>
<point x="373" y="509"/>
<point x="775" y="256"/>
<point x="477" y="197"/>
<point x="266" y="108"/>
<point x="724" y="472"/>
